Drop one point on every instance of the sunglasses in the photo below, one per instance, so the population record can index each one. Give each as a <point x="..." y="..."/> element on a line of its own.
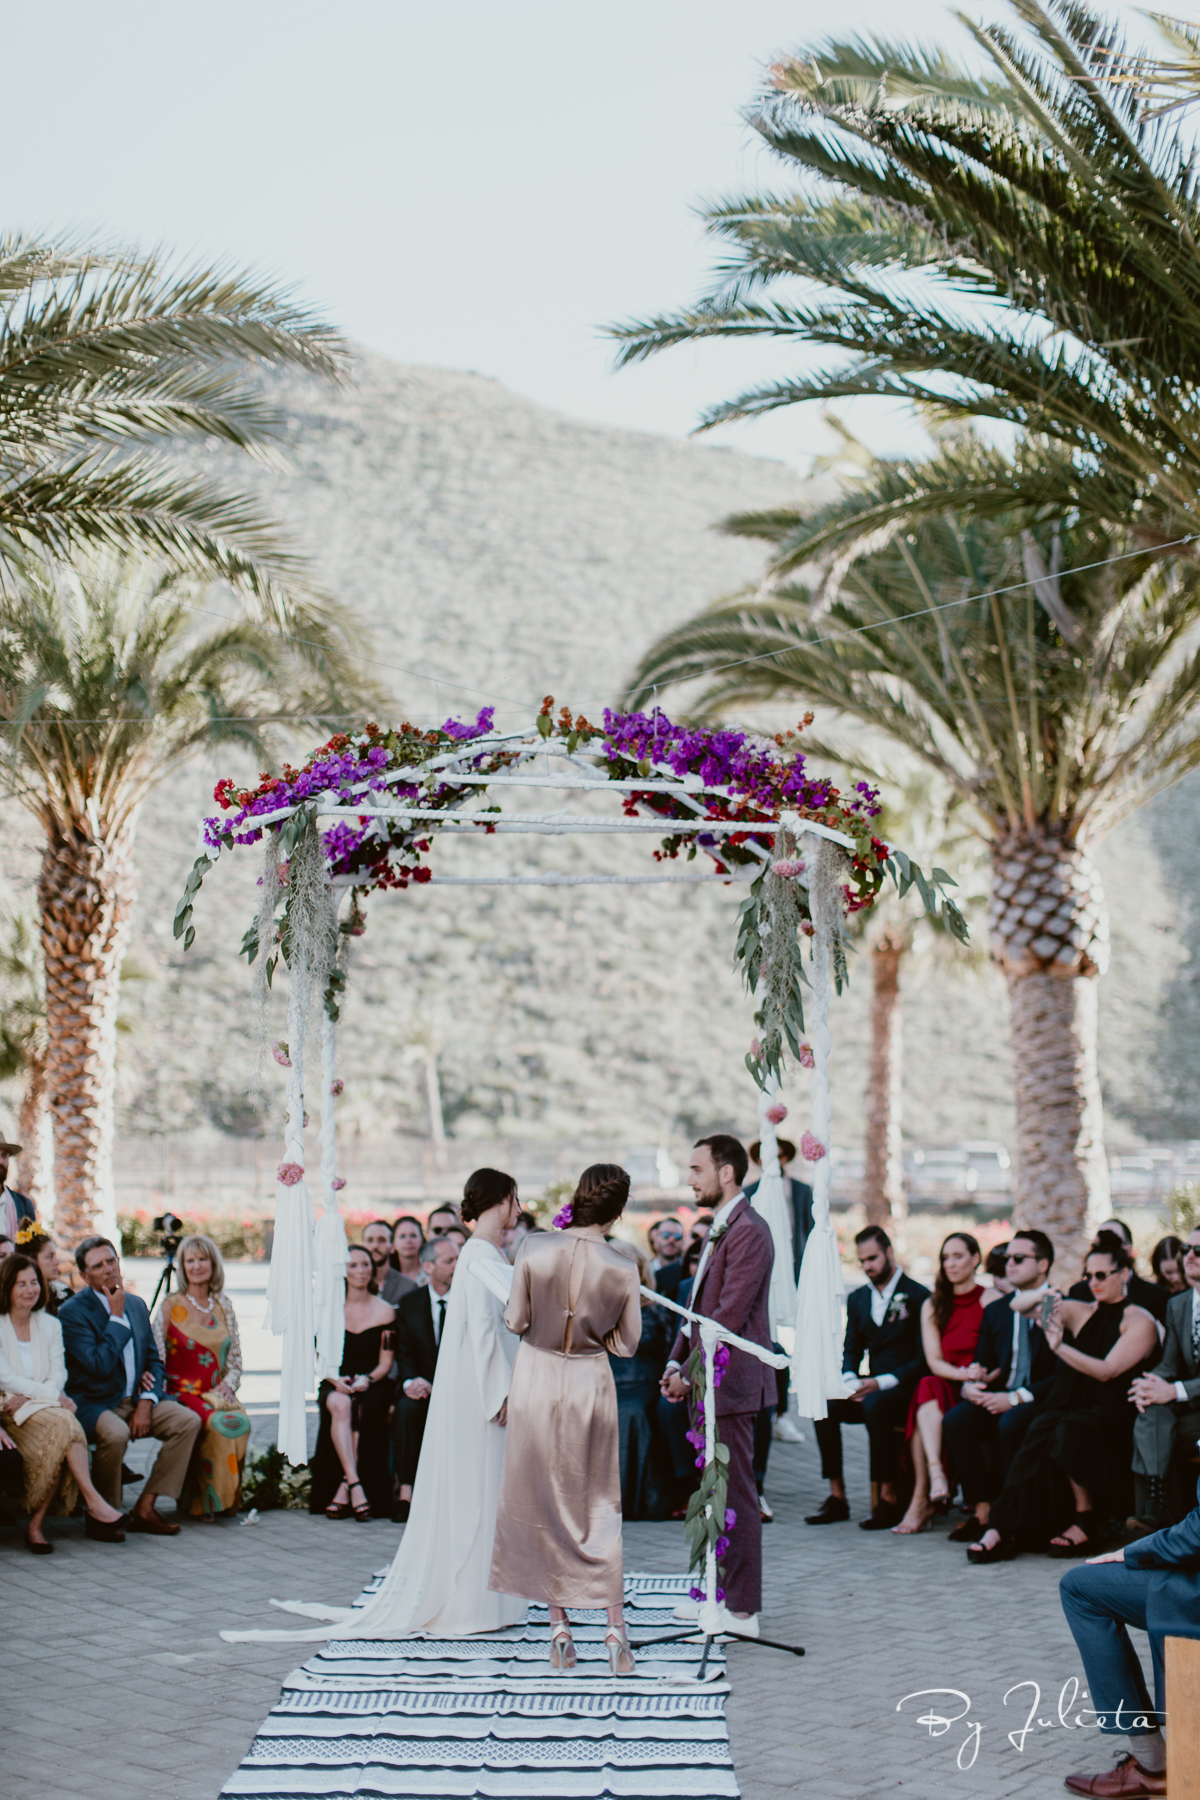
<point x="1020" y="1259"/>
<point x="1101" y="1274"/>
<point x="1191" y="1250"/>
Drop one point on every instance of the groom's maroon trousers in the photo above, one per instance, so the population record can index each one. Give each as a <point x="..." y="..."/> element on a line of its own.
<point x="734" y="1293"/>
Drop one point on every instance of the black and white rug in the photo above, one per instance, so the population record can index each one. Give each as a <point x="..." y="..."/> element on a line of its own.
<point x="377" y="1720"/>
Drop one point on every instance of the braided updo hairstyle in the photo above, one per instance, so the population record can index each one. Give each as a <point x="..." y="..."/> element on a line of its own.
<point x="486" y="1188"/>
<point x="600" y="1195"/>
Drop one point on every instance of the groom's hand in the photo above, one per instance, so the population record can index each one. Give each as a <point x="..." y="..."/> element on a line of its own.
<point x="674" y="1387"/>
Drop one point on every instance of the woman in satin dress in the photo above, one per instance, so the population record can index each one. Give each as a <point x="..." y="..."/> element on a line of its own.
<point x="558" y="1529"/>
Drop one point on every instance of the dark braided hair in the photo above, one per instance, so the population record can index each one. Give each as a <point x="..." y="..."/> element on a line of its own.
<point x="600" y="1195"/>
<point x="485" y="1188"/>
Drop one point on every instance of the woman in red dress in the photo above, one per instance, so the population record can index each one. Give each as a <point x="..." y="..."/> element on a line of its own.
<point x="950" y="1321"/>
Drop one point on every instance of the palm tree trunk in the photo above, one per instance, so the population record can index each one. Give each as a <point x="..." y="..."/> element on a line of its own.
<point x="37" y="1150"/>
<point x="85" y="892"/>
<point x="1050" y="935"/>
<point x="883" y="1182"/>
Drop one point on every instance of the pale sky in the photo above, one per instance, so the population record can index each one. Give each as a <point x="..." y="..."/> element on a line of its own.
<point x="468" y="185"/>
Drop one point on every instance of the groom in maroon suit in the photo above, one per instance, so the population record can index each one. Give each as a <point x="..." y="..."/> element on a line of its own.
<point x="731" y="1286"/>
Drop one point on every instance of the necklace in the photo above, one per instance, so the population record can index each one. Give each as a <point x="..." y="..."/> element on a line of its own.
<point x="202" y="1306"/>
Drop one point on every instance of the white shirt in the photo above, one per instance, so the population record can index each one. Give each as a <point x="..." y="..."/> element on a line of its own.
<point x="1021" y="1396"/>
<point x="437" y="1302"/>
<point x="879" y="1306"/>
<point x="25" y="1352"/>
<point x="1181" y="1392"/>
<point x="130" y="1364"/>
<point x="721" y="1214"/>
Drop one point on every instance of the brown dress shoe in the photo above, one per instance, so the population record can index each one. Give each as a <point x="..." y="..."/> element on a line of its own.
<point x="155" y="1524"/>
<point x="1127" y="1779"/>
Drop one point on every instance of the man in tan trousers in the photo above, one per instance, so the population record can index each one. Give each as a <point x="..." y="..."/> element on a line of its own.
<point x="116" y="1378"/>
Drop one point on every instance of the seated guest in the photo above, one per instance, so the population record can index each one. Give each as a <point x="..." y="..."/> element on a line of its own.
<point x="701" y="1226"/>
<point x="985" y="1430"/>
<point x="1168" y="1398"/>
<point x="1166" y="1263"/>
<point x="353" y="1407"/>
<point x="418" y="1336"/>
<point x="40" y="1427"/>
<point x="1154" y="1585"/>
<point x="196" y="1333"/>
<point x="666" y="1261"/>
<point x="407" y="1269"/>
<point x="644" y="1476"/>
<point x="1146" y="1294"/>
<point x="459" y="1233"/>
<point x="34" y="1243"/>
<point x="15" y="1209"/>
<point x="12" y="1469"/>
<point x="377" y="1242"/>
<point x="800" y="1198"/>
<point x="442" y="1218"/>
<point x="1083" y="1430"/>
<point x="116" y="1378"/>
<point x="882" y="1323"/>
<point x="950" y="1323"/>
<point x="6" y="1248"/>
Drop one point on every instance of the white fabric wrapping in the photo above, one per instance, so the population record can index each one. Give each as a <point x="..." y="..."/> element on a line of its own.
<point x="290" y="1281"/>
<point x="817" y="1358"/>
<point x="330" y="1249"/>
<point x="772" y="1200"/>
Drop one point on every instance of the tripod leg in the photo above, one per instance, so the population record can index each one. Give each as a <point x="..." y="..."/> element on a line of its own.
<point x="704" y="1658"/>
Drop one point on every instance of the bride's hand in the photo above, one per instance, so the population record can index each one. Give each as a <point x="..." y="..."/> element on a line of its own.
<point x="502" y="1416"/>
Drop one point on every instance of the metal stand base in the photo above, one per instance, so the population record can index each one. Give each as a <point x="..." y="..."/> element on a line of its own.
<point x="682" y="1637"/>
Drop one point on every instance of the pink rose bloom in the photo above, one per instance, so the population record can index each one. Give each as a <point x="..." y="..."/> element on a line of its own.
<point x="289" y="1173"/>
<point x="807" y="1060"/>
<point x="337" y="1088"/>
<point x="280" y="1053"/>
<point x="811" y="1148"/>
<point x="777" y="1114"/>
<point x="788" y="867"/>
<point x="338" y="1183"/>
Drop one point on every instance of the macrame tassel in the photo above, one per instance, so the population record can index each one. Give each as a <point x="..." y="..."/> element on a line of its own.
<point x="771" y="1199"/>
<point x="817" y="1361"/>
<point x="330" y="1249"/>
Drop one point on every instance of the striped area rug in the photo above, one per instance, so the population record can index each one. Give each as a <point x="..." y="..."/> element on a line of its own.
<point x="375" y="1720"/>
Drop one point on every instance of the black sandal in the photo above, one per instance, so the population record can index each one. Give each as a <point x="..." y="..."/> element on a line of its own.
<point x="361" y="1513"/>
<point x="1067" y="1549"/>
<point x="966" y="1532"/>
<point x="339" y="1509"/>
<point x="1004" y="1551"/>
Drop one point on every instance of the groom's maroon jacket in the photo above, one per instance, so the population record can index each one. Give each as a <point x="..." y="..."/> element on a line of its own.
<point x="734" y="1293"/>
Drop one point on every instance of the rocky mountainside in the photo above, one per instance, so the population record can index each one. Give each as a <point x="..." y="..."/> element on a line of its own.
<point x="499" y="552"/>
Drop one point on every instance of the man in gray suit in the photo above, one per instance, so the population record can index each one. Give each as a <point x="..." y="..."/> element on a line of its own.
<point x="1168" y="1398"/>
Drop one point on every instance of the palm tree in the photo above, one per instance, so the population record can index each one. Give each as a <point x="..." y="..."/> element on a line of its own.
<point x="24" y="1046"/>
<point x="1019" y="245"/>
<point x="1052" y="708"/>
<point x="112" y="675"/>
<point x="109" y="361"/>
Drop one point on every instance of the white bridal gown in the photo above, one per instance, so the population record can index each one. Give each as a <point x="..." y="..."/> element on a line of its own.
<point x="438" y="1582"/>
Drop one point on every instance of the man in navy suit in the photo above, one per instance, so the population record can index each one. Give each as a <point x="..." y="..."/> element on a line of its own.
<point x="883" y="1323"/>
<point x="1155" y="1585"/>
<point x="983" y="1433"/>
<point x="116" y="1378"/>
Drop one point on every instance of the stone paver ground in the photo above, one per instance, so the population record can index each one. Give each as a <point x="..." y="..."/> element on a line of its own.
<point x="115" y="1679"/>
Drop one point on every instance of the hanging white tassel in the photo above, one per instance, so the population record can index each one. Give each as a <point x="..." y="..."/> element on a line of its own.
<point x="330" y="1250"/>
<point x="290" y="1282"/>
<point x="772" y="1199"/>
<point x="817" y="1360"/>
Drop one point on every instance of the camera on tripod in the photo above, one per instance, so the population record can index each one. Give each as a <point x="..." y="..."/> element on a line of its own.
<point x="171" y="1229"/>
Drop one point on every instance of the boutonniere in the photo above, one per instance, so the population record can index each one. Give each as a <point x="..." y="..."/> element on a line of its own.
<point x="717" y="1233"/>
<point x="897" y="1310"/>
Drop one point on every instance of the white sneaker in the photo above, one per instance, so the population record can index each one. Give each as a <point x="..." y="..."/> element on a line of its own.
<point x="687" y="1611"/>
<point x="747" y="1627"/>
<point x="785" y="1430"/>
<point x="765" y="1511"/>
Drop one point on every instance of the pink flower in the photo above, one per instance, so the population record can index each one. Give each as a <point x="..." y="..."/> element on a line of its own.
<point x="337" y="1088"/>
<point x="811" y="1148"/>
<point x="788" y="867"/>
<point x="338" y="1183"/>
<point x="807" y="1061"/>
<point x="289" y="1173"/>
<point x="755" y="1047"/>
<point x="807" y="927"/>
<point x="777" y="1114"/>
<point x="280" y="1053"/>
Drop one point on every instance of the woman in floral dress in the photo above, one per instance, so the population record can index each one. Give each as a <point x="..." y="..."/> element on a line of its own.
<point x="197" y="1336"/>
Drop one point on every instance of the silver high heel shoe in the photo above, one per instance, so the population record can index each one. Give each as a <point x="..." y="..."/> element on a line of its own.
<point x="620" y="1656"/>
<point x="562" y="1647"/>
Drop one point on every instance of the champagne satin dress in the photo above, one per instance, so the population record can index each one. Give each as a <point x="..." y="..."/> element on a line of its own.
<point x="558" y="1529"/>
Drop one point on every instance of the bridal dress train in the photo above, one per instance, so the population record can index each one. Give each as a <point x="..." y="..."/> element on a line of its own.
<point x="438" y="1583"/>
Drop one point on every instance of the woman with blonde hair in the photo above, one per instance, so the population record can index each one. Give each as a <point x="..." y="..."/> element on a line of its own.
<point x="196" y="1331"/>
<point x="37" y="1416"/>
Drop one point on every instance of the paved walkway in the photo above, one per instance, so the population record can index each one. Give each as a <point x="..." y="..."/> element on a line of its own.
<point x="115" y="1679"/>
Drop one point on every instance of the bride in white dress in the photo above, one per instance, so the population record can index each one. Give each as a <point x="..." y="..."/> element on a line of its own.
<point x="438" y="1583"/>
